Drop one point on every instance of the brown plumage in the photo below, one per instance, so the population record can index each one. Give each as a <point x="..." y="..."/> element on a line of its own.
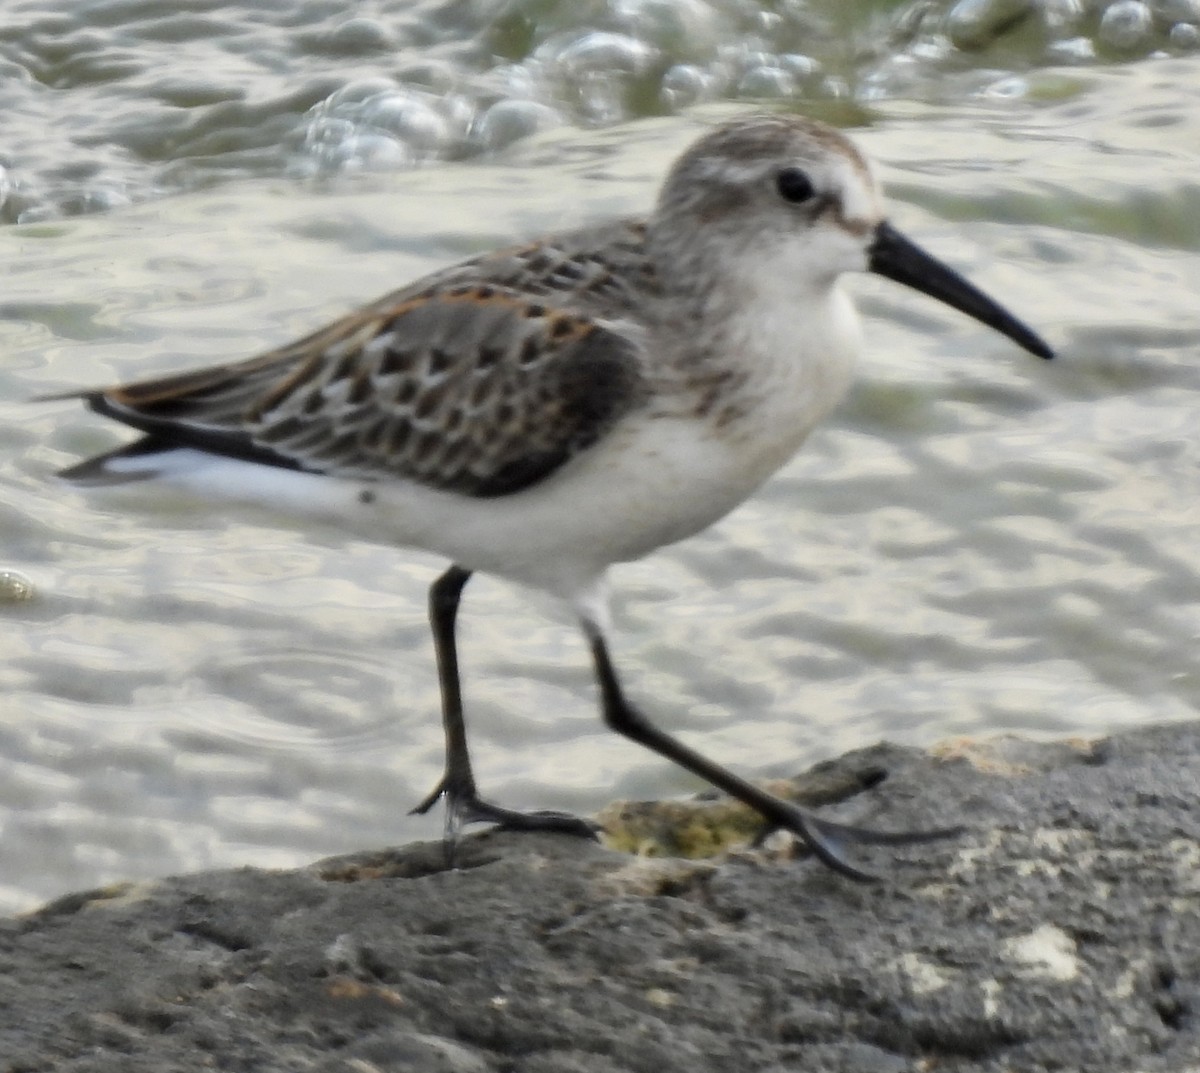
<point x="480" y="380"/>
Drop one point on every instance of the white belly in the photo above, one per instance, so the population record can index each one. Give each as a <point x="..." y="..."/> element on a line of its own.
<point x="651" y="481"/>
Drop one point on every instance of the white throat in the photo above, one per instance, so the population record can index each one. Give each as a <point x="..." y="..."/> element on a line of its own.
<point x="798" y="336"/>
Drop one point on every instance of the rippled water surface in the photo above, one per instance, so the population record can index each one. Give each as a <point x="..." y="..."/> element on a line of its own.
<point x="977" y="542"/>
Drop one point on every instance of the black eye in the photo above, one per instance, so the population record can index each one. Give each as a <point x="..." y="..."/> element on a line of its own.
<point x="794" y="185"/>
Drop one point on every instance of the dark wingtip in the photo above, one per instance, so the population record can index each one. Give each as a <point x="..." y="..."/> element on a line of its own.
<point x="62" y="396"/>
<point x="96" y="472"/>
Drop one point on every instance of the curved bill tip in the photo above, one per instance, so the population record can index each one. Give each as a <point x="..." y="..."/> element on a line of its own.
<point x="898" y="258"/>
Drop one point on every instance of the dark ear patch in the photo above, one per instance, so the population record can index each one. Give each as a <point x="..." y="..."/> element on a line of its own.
<point x="720" y="201"/>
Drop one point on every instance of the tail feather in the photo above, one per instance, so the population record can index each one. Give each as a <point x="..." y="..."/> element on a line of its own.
<point x="133" y="462"/>
<point x="163" y="437"/>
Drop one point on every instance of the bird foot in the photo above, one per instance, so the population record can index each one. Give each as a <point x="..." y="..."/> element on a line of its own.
<point x="825" y="838"/>
<point x="463" y="806"/>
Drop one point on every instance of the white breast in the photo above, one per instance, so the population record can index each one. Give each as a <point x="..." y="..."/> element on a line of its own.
<point x="799" y="349"/>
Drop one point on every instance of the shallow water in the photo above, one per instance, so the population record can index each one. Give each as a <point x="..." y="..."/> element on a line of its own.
<point x="978" y="542"/>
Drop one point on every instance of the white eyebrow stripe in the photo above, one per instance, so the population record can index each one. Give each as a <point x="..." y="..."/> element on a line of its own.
<point x="860" y="201"/>
<point x="728" y="171"/>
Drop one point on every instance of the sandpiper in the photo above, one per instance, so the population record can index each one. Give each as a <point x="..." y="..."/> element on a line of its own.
<point x="545" y="411"/>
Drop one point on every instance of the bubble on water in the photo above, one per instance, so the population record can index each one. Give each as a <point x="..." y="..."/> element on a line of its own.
<point x="459" y="111"/>
<point x="376" y="124"/>
<point x="600" y="97"/>
<point x="799" y="65"/>
<point x="15" y="588"/>
<point x="359" y="35"/>
<point x="1126" y="25"/>
<point x="370" y="152"/>
<point x="1061" y="16"/>
<point x="1184" y="36"/>
<point x="416" y="122"/>
<point x="509" y="121"/>
<point x="975" y="24"/>
<point x="1177" y="11"/>
<point x="685" y="84"/>
<point x="596" y="71"/>
<point x="1072" y="50"/>
<point x="517" y="80"/>
<point x="744" y="58"/>
<point x="678" y="27"/>
<point x="606" y="52"/>
<point x="766" y="80"/>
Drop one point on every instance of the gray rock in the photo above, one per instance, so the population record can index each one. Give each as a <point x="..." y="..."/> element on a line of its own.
<point x="1061" y="932"/>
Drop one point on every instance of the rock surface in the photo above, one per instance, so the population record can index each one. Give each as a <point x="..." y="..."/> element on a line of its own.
<point x="1061" y="932"/>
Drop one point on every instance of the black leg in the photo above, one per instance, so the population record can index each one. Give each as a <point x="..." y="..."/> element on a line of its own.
<point x="458" y="780"/>
<point x="457" y="785"/>
<point x="821" y="836"/>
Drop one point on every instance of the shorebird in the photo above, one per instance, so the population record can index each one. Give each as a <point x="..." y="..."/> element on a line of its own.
<point x="542" y="412"/>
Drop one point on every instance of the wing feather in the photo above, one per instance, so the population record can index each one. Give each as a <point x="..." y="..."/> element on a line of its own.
<point x="479" y="390"/>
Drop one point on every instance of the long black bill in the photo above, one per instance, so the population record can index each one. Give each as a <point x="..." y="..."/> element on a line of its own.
<point x="894" y="256"/>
